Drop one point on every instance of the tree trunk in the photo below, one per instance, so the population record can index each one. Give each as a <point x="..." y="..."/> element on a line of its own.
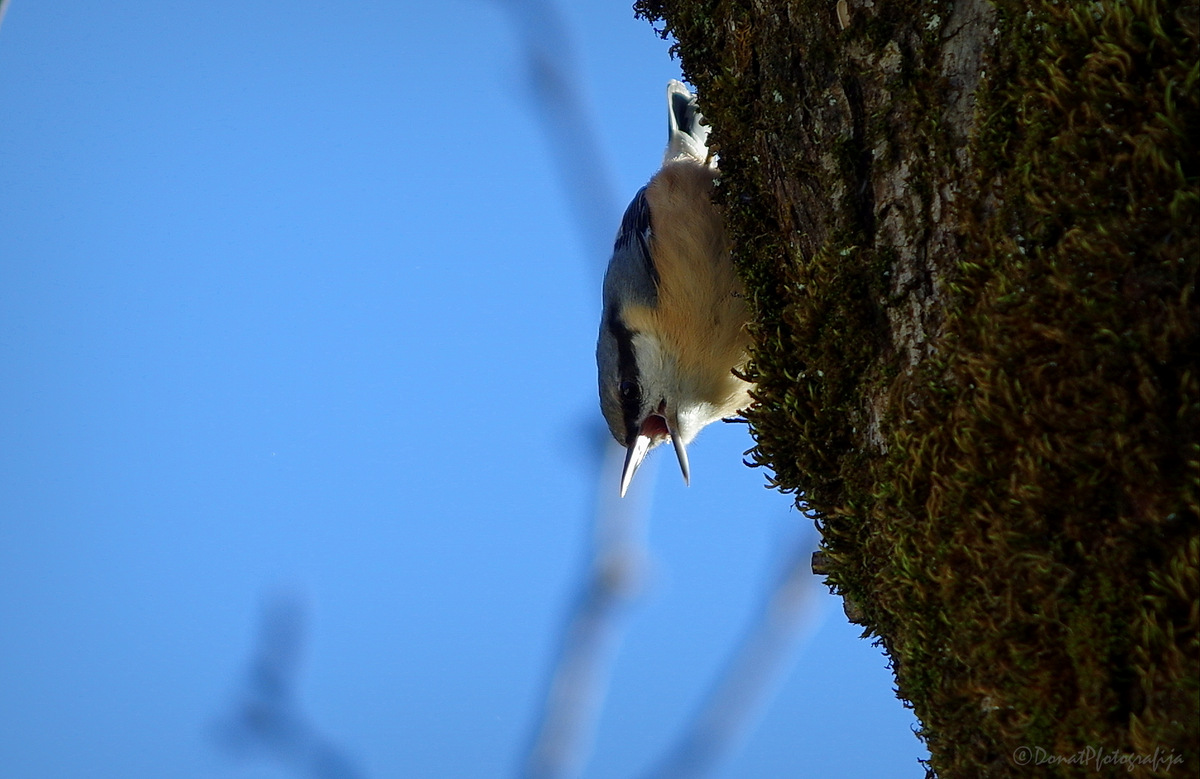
<point x="969" y="234"/>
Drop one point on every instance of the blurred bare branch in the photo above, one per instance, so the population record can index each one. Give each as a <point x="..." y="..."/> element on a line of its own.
<point x="563" y="732"/>
<point x="577" y="684"/>
<point x="558" y="90"/>
<point x="616" y="559"/>
<point x="265" y="719"/>
<point x="3" y="10"/>
<point x="767" y="650"/>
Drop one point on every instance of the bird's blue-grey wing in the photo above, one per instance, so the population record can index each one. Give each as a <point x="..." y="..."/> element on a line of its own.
<point x="631" y="275"/>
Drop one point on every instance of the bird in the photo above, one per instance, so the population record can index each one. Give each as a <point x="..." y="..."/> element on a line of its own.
<point x="673" y="328"/>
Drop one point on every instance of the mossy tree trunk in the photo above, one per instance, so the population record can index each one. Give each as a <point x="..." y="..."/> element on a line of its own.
<point x="969" y="232"/>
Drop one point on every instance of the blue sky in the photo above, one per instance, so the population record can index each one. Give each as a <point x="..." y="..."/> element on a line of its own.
<point x="292" y="300"/>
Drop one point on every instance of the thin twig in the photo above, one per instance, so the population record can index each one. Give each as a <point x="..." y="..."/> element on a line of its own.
<point x="558" y="90"/>
<point x="266" y="719"/>
<point x="562" y="735"/>
<point x="766" y="651"/>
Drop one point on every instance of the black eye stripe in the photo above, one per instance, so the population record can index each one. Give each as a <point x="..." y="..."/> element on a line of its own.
<point x="629" y="387"/>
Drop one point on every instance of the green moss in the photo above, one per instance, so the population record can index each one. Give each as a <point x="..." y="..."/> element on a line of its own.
<point x="1021" y="529"/>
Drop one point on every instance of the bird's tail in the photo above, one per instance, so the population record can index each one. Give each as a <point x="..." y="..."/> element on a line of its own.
<point x="687" y="137"/>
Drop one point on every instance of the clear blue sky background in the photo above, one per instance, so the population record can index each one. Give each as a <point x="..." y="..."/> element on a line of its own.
<point x="291" y="298"/>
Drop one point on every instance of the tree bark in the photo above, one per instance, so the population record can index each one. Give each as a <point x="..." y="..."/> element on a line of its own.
<point x="968" y="231"/>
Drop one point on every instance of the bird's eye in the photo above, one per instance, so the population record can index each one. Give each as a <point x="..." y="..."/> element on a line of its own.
<point x="628" y="389"/>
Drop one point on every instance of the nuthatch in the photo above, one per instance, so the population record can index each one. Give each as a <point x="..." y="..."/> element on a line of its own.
<point x="674" y="323"/>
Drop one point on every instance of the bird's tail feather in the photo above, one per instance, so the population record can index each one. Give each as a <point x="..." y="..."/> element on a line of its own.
<point x="687" y="137"/>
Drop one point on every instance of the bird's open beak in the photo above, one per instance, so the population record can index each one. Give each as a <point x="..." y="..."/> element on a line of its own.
<point x="681" y="455"/>
<point x="634" y="454"/>
<point x="653" y="429"/>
